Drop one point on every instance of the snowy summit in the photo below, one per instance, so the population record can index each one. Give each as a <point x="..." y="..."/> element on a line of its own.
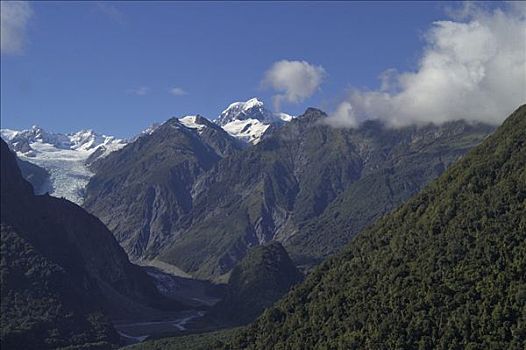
<point x="249" y="120"/>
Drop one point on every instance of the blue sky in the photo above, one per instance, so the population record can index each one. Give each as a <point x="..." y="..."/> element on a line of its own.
<point x="112" y="67"/>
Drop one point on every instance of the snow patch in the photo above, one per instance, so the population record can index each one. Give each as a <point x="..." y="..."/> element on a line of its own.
<point x="191" y="122"/>
<point x="284" y="116"/>
<point x="248" y="130"/>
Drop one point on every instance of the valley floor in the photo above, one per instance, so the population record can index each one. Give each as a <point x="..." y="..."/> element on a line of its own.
<point x="199" y="295"/>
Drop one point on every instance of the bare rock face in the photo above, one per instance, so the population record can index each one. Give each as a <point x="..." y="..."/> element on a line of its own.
<point x="143" y="192"/>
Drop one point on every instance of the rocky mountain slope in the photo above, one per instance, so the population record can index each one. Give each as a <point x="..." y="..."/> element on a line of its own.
<point x="62" y="272"/>
<point x="280" y="188"/>
<point x="249" y="120"/>
<point x="445" y="270"/>
<point x="66" y="157"/>
<point x="143" y="192"/>
<point x="38" y="177"/>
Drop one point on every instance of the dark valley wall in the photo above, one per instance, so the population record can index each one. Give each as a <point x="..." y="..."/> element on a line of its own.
<point x="63" y="274"/>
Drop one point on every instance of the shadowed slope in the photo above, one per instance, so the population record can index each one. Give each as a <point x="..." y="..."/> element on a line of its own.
<point x="62" y="271"/>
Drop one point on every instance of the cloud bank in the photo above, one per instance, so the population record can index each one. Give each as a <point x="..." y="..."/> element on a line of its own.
<point x="473" y="68"/>
<point x="294" y="81"/>
<point x="13" y="21"/>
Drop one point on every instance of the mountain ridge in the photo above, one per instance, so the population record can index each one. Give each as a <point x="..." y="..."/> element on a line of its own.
<point x="149" y="181"/>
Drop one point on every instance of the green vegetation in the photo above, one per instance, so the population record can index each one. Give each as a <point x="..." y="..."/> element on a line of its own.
<point x="204" y="341"/>
<point x="264" y="275"/>
<point x="447" y="270"/>
<point x="42" y="307"/>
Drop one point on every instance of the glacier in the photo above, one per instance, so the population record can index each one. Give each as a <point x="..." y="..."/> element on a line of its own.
<point x="66" y="157"/>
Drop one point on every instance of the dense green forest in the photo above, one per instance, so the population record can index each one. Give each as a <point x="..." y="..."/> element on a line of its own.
<point x="447" y="270"/>
<point x="264" y="275"/>
<point x="204" y="341"/>
<point x="43" y="304"/>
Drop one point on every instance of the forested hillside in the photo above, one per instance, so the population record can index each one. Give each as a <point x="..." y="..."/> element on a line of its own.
<point x="264" y="275"/>
<point x="447" y="270"/>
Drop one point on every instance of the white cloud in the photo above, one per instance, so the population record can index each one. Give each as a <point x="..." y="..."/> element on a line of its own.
<point x="14" y="18"/>
<point x="177" y="91"/>
<point x="343" y="116"/>
<point x="295" y="81"/>
<point x="472" y="69"/>
<point x="139" y="91"/>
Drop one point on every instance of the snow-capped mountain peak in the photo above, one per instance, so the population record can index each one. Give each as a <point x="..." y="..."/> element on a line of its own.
<point x="249" y="120"/>
<point x="65" y="156"/>
<point x="251" y="109"/>
<point x="252" y="103"/>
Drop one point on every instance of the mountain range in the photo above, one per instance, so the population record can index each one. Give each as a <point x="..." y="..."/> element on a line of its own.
<point x="198" y="199"/>
<point x="445" y="270"/>
<point x="189" y="195"/>
<point x="67" y="158"/>
<point x="143" y="193"/>
<point x="192" y="185"/>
